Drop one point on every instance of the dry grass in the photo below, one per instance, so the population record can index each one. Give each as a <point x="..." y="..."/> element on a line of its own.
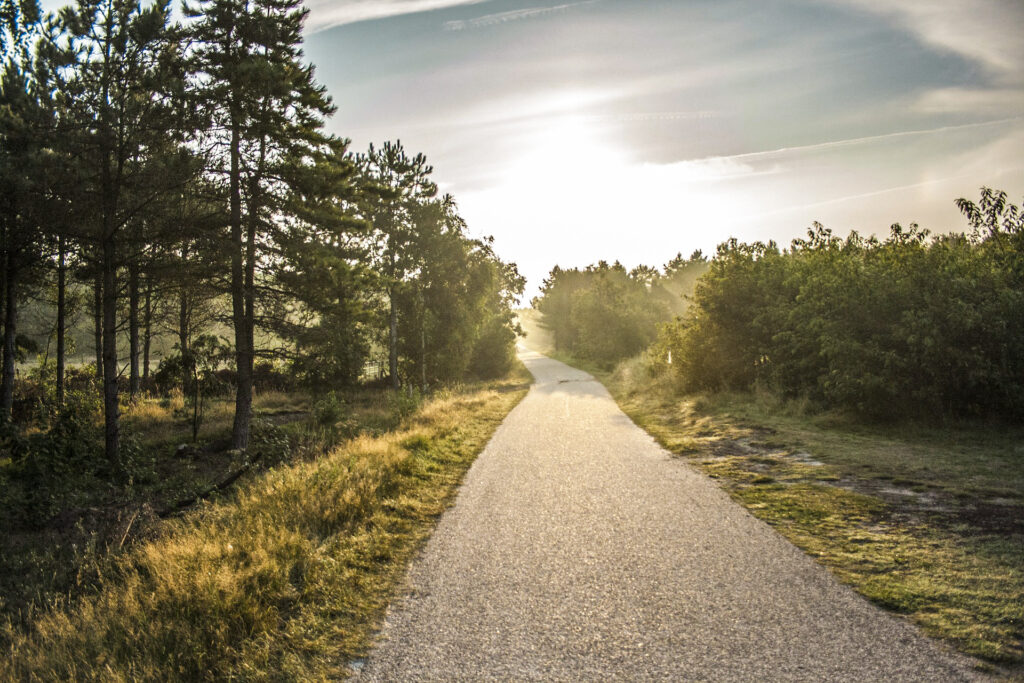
<point x="285" y="580"/>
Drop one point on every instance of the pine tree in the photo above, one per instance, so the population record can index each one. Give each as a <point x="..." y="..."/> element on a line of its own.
<point x="266" y="107"/>
<point x="399" y="184"/>
<point x="115" y="64"/>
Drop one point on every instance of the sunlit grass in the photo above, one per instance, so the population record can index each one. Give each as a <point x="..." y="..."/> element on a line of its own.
<point x="286" y="579"/>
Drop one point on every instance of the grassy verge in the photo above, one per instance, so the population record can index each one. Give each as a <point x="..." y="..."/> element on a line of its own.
<point x="61" y="525"/>
<point x="64" y="524"/>
<point x="285" y="579"/>
<point x="925" y="521"/>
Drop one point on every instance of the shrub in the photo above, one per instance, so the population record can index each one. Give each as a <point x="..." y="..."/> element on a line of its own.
<point x="913" y="324"/>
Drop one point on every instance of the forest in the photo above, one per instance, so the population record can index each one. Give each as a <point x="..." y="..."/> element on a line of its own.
<point x="171" y="184"/>
<point x="914" y="325"/>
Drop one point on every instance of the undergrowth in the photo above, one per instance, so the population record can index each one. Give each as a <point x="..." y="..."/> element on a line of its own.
<point x="283" y="580"/>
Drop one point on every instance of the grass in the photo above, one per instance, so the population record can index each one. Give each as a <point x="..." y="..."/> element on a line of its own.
<point x="923" y="520"/>
<point x="285" y="579"/>
<point x="55" y="548"/>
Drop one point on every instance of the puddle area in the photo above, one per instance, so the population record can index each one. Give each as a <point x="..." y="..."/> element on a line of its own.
<point x="805" y="459"/>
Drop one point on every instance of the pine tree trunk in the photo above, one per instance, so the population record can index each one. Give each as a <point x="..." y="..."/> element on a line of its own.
<point x="10" y="339"/>
<point x="243" y="352"/>
<point x="133" y="331"/>
<point x="97" y="318"/>
<point x="393" y="326"/>
<point x="111" y="409"/>
<point x="3" y="286"/>
<point x="393" y="342"/>
<point x="61" y="317"/>
<point x="183" y="339"/>
<point x="147" y="332"/>
<point x="108" y="257"/>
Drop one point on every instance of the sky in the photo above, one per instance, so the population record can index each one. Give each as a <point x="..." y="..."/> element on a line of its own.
<point x="574" y="131"/>
<point x="631" y="130"/>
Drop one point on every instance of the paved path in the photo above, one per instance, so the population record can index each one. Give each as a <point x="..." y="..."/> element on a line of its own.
<point x="578" y="549"/>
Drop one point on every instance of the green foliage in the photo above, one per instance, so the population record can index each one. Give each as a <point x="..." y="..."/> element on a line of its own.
<point x="17" y="19"/>
<point x="328" y="410"/>
<point x="51" y="464"/>
<point x="605" y="314"/>
<point x="913" y="324"/>
<point x="269" y="444"/>
<point x="402" y="404"/>
<point x="460" y="290"/>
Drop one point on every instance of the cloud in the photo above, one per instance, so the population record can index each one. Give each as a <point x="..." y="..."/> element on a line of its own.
<point x="657" y="116"/>
<point x="513" y="15"/>
<point x="325" y="14"/>
<point x="986" y="31"/>
<point x="980" y="100"/>
<point x="834" y="144"/>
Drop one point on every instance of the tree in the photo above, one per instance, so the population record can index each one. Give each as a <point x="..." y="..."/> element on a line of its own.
<point x="114" y="65"/>
<point x="399" y="184"/>
<point x="456" y="289"/>
<point x="266" y="109"/>
<point x="323" y="273"/>
<point x="25" y="203"/>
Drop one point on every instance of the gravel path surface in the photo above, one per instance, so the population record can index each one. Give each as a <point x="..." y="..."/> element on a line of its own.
<point x="578" y="549"/>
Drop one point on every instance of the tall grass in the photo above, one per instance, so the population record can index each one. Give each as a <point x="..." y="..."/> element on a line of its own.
<point x="284" y="580"/>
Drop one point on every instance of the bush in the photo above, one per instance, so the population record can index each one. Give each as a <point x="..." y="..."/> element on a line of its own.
<point x="51" y="464"/>
<point x="329" y="410"/>
<point x="494" y="350"/>
<point x="270" y="376"/>
<point x="403" y="403"/>
<point x="910" y="325"/>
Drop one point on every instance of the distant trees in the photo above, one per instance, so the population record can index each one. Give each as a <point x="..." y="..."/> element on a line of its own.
<point x="180" y="176"/>
<point x="455" y="300"/>
<point x="604" y="314"/>
<point x="913" y="324"/>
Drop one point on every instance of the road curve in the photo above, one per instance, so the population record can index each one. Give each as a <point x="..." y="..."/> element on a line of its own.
<point x="578" y="549"/>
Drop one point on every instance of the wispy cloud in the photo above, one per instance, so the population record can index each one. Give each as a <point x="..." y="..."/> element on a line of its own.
<point x="325" y="14"/>
<point x="835" y="144"/>
<point x="986" y="31"/>
<point x="513" y="15"/>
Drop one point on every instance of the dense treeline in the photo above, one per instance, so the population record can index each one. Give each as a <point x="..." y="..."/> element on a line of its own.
<point x="175" y="179"/>
<point x="914" y="324"/>
<point x="604" y="313"/>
